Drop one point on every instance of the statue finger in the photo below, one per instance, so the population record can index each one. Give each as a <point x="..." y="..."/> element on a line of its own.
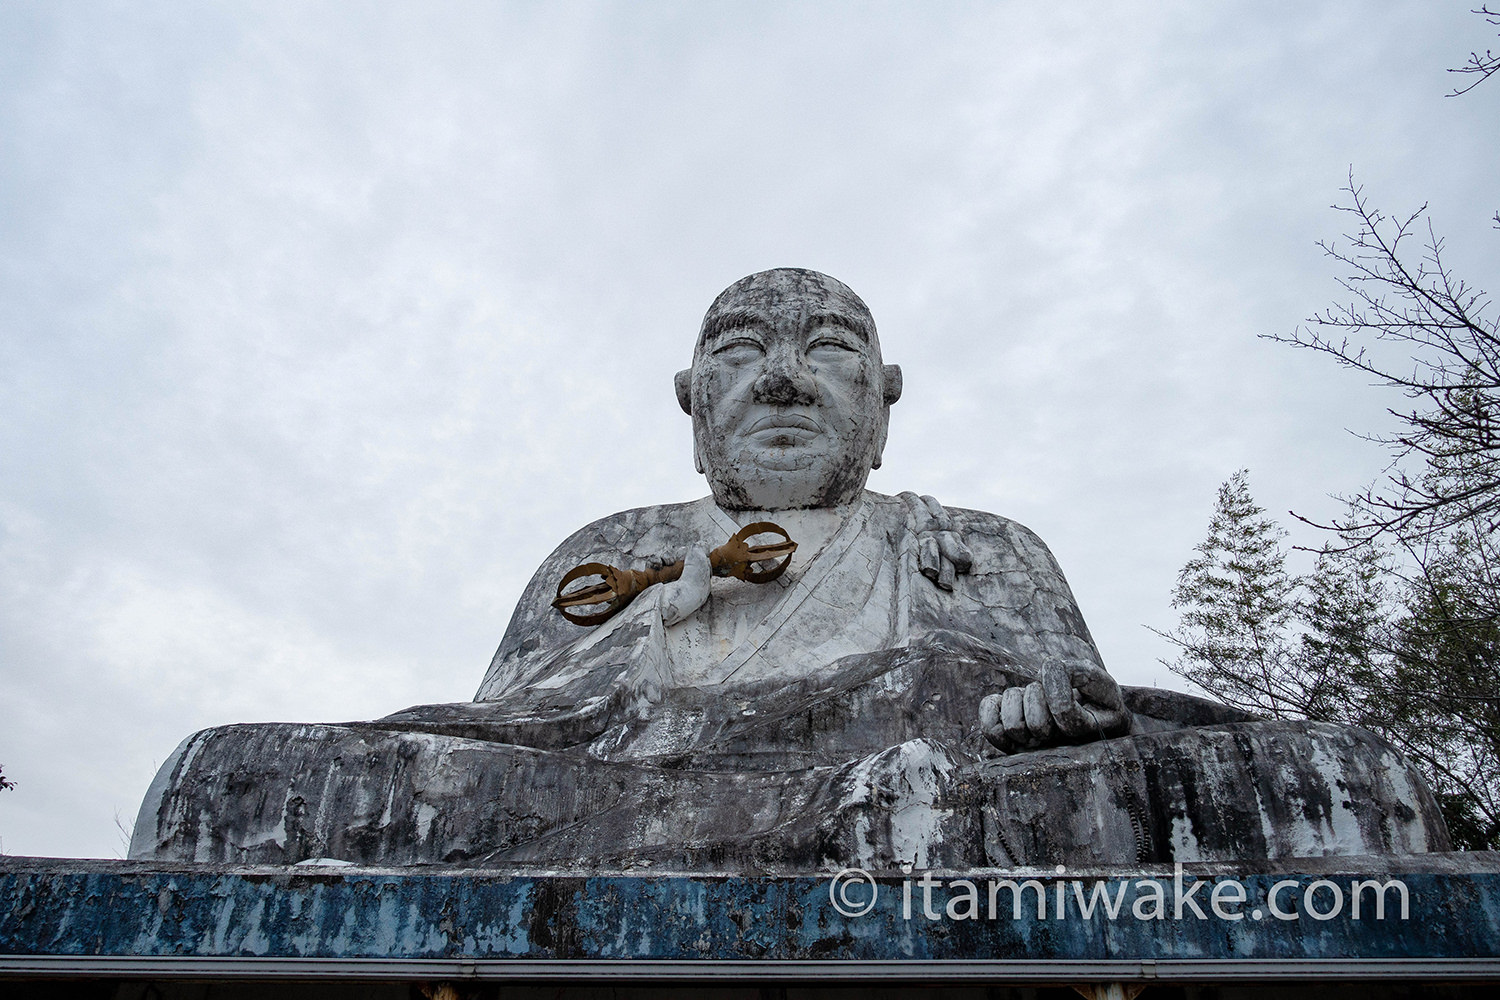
<point x="947" y="575"/>
<point x="940" y="518"/>
<point x="929" y="557"/>
<point x="955" y="551"/>
<point x="1103" y="700"/>
<point x="989" y="713"/>
<point x="1038" y="719"/>
<point x="1069" y="716"/>
<point x="1013" y="716"/>
<point x="921" y="517"/>
<point x="696" y="563"/>
<point x="1098" y="687"/>
<point x="689" y="592"/>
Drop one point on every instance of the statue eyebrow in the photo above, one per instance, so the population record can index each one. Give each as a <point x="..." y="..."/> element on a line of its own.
<point x="733" y="319"/>
<point x="852" y="324"/>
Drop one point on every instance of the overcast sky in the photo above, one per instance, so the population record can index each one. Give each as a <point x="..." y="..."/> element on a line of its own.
<point x="321" y="324"/>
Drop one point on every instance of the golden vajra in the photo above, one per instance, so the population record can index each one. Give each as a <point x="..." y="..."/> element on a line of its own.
<point x="618" y="588"/>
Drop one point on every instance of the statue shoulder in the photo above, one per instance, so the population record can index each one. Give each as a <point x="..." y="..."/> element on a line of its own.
<point x="983" y="522"/>
<point x="995" y="579"/>
<point x="636" y="533"/>
<point x="995" y="536"/>
<point x="991" y="543"/>
<point x="630" y="539"/>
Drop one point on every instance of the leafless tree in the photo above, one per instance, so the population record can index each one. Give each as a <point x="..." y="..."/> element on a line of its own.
<point x="1404" y="292"/>
<point x="1480" y="66"/>
<point x="1398" y="627"/>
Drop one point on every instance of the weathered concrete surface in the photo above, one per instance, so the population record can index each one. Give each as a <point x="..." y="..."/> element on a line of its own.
<point x="849" y="712"/>
<point x="101" y="909"/>
<point x="1253" y="790"/>
<point x="816" y="777"/>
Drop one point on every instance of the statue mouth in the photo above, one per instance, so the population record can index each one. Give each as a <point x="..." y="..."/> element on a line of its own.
<point x="786" y="421"/>
<point x="784" y="430"/>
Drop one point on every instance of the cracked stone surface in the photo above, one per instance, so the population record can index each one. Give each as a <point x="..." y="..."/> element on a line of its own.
<point x="831" y="717"/>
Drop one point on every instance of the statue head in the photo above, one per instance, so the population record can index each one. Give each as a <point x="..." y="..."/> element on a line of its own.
<point x="789" y="399"/>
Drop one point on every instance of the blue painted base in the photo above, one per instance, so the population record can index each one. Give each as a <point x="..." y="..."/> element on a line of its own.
<point x="1416" y="917"/>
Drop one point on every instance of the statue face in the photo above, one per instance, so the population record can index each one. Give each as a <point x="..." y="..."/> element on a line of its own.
<point x="787" y="393"/>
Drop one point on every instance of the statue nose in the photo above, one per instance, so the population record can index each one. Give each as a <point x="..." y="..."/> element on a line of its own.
<point x="785" y="382"/>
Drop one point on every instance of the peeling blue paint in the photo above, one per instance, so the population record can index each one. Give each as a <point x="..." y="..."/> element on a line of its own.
<point x="125" y="908"/>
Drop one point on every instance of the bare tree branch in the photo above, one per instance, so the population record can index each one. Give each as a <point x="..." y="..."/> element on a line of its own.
<point x="1404" y="293"/>
<point x="1483" y="66"/>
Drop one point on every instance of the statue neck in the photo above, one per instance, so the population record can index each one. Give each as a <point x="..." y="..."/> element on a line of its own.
<point x="811" y="528"/>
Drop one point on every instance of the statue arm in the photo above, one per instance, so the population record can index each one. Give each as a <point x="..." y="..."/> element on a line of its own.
<point x="1014" y="595"/>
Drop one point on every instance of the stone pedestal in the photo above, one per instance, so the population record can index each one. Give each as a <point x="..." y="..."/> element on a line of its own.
<point x="1417" y="920"/>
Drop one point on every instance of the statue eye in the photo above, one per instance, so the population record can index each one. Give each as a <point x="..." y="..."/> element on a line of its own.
<point x="831" y="348"/>
<point x="739" y="349"/>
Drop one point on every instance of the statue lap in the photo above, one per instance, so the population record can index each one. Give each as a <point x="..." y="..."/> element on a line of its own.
<point x="811" y="781"/>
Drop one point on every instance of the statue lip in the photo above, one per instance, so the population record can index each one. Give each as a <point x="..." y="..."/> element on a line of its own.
<point x="777" y="421"/>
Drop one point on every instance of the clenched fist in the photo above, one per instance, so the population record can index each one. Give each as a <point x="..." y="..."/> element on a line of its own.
<point x="1068" y="704"/>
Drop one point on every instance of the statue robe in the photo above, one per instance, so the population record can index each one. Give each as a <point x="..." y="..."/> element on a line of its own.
<point x="837" y="724"/>
<point x="861" y="593"/>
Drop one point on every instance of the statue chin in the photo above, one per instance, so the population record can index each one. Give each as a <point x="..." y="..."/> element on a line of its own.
<point x="786" y="478"/>
<point x="770" y="488"/>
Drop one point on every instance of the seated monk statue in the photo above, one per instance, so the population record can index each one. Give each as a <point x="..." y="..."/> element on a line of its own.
<point x="911" y="685"/>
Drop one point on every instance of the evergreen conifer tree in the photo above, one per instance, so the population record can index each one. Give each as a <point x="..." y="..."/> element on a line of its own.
<point x="1236" y="603"/>
<point x="1410" y="651"/>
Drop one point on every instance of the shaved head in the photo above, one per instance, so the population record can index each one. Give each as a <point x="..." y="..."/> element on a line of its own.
<point x="783" y="288"/>
<point x="789" y="399"/>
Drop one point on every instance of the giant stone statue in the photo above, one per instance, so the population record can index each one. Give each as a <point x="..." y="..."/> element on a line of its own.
<point x="916" y="686"/>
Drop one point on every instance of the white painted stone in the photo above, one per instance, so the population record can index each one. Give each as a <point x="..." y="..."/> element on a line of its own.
<point x="856" y="709"/>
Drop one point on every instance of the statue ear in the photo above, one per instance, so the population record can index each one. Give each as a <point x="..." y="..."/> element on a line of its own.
<point x="885" y="422"/>
<point x="683" y="383"/>
<point x="892" y="375"/>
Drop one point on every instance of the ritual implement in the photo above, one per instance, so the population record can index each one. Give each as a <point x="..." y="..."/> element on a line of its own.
<point x="735" y="558"/>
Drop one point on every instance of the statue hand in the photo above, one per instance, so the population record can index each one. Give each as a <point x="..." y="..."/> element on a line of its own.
<point x="1070" y="703"/>
<point x="688" y="592"/>
<point x="941" y="552"/>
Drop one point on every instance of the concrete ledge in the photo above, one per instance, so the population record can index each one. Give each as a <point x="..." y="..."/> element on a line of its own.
<point x="102" y="919"/>
<point x="1017" y="971"/>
